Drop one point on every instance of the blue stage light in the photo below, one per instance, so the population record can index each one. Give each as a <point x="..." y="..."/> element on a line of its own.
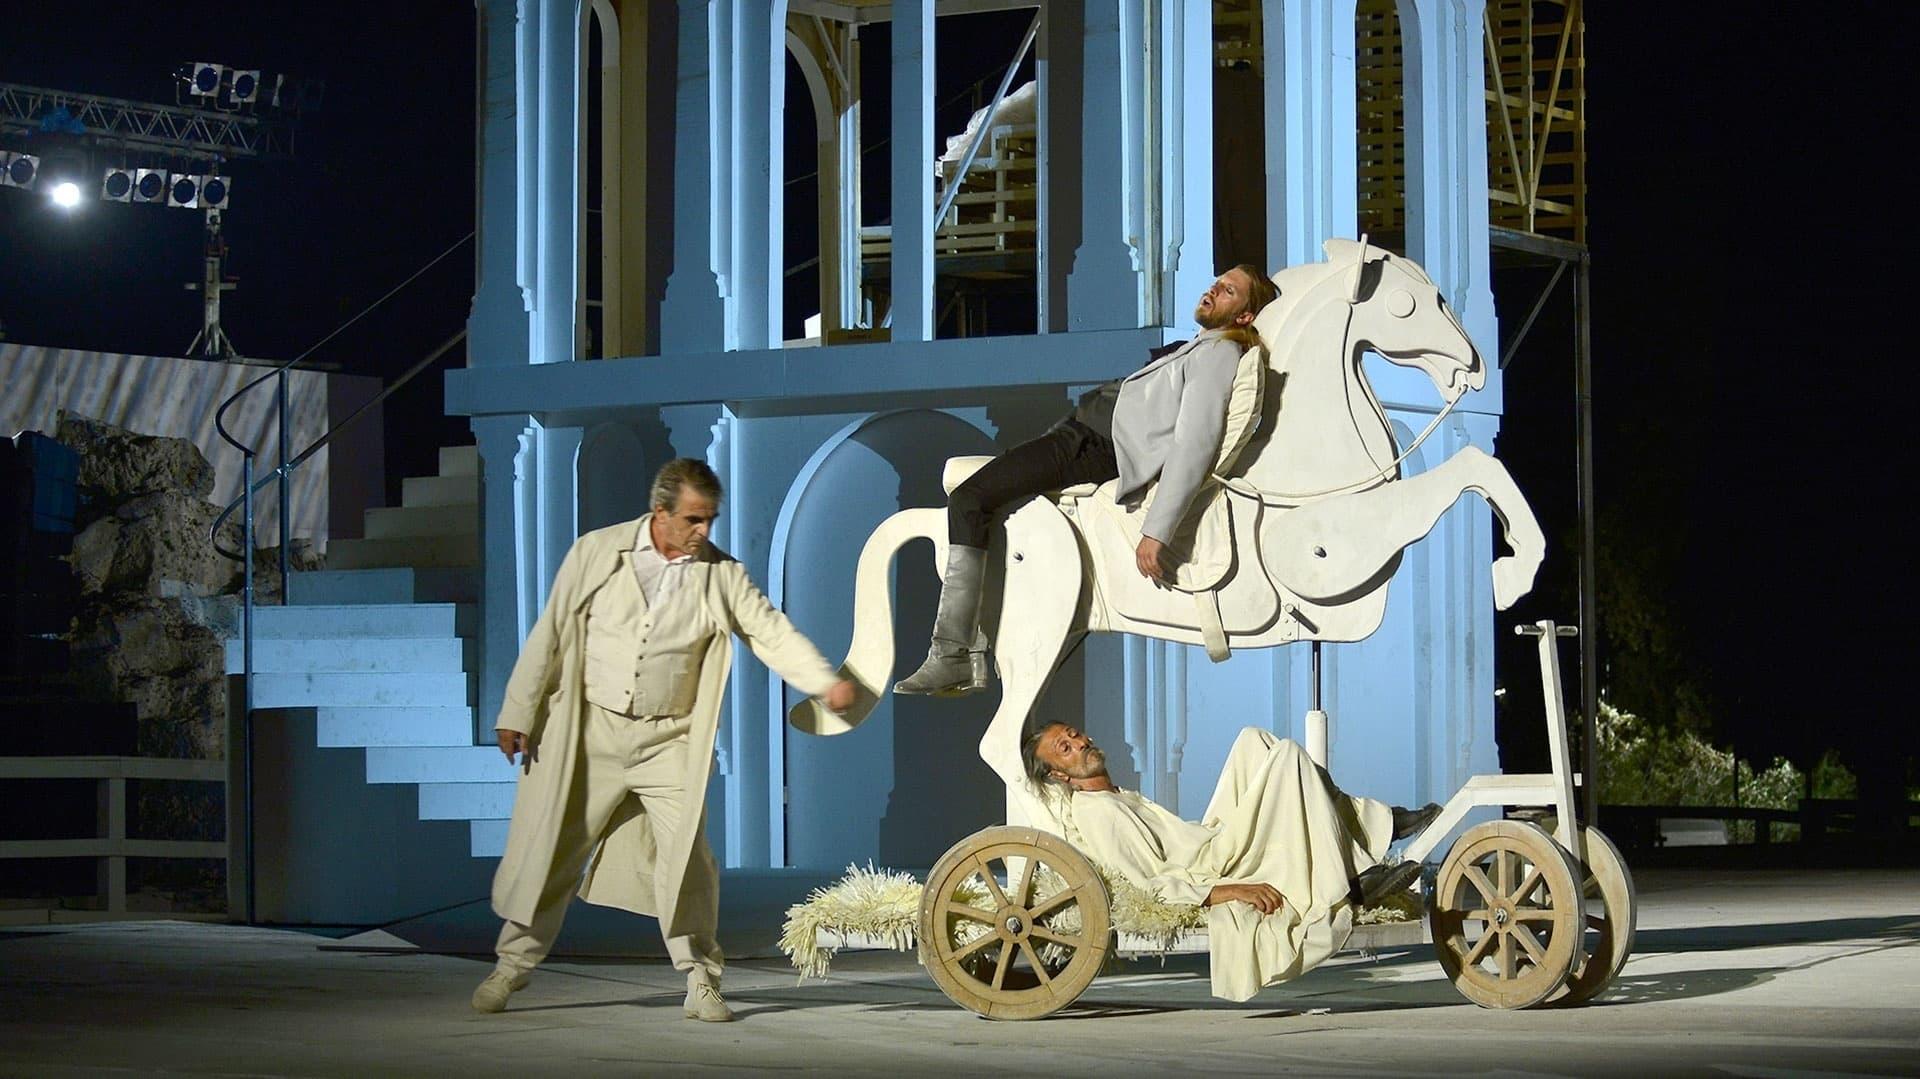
<point x="18" y="170"/>
<point x="206" y="80"/>
<point x="117" y="185"/>
<point x="150" y="185"/>
<point x="183" y="191"/>
<point x="214" y="191"/>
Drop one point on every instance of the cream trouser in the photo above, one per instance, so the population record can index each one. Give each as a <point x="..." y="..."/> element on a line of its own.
<point x="644" y="758"/>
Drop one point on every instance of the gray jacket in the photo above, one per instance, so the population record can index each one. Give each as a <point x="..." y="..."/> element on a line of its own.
<point x="1167" y="423"/>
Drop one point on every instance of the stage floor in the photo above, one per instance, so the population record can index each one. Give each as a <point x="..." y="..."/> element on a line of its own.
<point x="1756" y="973"/>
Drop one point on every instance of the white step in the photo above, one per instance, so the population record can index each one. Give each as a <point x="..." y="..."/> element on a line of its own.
<point x="487" y="838"/>
<point x="459" y="460"/>
<point x="467" y="801"/>
<point x="384" y="655"/>
<point x="392" y="584"/>
<point x="349" y="690"/>
<point x="363" y="620"/>
<point x="443" y="764"/>
<point x="409" y="522"/>
<point x="419" y="726"/>
<point x="455" y="490"/>
<point x="462" y="549"/>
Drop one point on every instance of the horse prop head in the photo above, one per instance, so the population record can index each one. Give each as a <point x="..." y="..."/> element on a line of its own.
<point x="1398" y="312"/>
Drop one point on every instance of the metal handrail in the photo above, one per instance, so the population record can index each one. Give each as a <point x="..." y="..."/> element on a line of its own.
<point x="299" y="458"/>
<point x="279" y="375"/>
<point x="282" y="473"/>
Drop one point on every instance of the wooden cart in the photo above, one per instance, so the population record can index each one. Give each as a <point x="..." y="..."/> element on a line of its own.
<point x="1015" y="923"/>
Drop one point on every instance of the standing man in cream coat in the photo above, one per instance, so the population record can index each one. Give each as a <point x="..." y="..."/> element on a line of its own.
<point x="612" y="710"/>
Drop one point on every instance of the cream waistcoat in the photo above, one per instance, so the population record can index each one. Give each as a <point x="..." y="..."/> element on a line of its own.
<point x="644" y="660"/>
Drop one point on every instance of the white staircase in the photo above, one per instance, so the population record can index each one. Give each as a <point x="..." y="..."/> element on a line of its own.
<point x="436" y="525"/>
<point x="380" y="645"/>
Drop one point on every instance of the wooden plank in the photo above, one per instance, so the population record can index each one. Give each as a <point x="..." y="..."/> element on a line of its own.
<point x="110" y="848"/>
<point x="1507" y="123"/>
<point x="1552" y="92"/>
<point x="111" y="768"/>
<point x="1017" y="194"/>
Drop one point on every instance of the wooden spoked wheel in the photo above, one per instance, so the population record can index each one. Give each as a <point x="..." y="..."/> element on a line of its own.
<point x="1506" y="915"/>
<point x="1607" y="936"/>
<point x="1014" y="923"/>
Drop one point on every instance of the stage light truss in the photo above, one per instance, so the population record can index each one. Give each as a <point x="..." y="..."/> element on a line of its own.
<point x="172" y="129"/>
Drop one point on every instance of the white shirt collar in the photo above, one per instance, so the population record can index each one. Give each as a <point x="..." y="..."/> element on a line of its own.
<point x="646" y="544"/>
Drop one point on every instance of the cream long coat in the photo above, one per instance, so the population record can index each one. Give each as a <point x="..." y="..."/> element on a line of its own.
<point x="544" y="700"/>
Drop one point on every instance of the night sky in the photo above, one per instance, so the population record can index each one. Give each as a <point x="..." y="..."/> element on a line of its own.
<point x="1744" y="201"/>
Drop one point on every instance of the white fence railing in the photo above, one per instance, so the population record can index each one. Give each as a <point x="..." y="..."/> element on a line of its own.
<point x="110" y="843"/>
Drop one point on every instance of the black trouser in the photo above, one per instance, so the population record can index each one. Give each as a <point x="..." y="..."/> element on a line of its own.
<point x="1069" y="453"/>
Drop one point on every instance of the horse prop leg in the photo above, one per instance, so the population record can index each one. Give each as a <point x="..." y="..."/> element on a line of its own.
<point x="869" y="662"/>
<point x="1330" y="551"/>
<point x="1044" y="577"/>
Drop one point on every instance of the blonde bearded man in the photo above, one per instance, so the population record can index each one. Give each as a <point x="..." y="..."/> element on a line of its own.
<point x="1280" y="859"/>
<point x="612" y="708"/>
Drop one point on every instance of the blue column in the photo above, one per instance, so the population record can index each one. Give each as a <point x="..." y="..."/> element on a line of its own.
<point x="759" y="104"/>
<point x="1312" y="138"/>
<point x="497" y="326"/>
<point x="692" y="314"/>
<point x="558" y="523"/>
<point x="1105" y="288"/>
<point x="497" y="335"/>
<point x="1447" y="212"/>
<point x="912" y="170"/>
<point x="1311" y="146"/>
<point x="1447" y="161"/>
<point x="1467" y="613"/>
<point x="556" y="174"/>
<point x="502" y="442"/>
<point x="1186" y="158"/>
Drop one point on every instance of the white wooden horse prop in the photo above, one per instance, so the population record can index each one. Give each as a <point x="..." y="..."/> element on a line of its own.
<point x="1297" y="539"/>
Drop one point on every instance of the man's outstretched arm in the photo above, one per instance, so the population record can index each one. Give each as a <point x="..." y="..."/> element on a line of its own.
<point x="780" y="645"/>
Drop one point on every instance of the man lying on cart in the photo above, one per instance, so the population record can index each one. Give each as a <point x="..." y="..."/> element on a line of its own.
<point x="1281" y="858"/>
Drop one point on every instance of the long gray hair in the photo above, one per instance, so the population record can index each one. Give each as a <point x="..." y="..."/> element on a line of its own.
<point x="1037" y="770"/>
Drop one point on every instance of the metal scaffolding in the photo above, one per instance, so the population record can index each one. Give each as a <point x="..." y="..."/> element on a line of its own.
<point x="143" y="125"/>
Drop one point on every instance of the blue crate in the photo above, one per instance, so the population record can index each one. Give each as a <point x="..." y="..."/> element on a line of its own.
<point x="54" y="468"/>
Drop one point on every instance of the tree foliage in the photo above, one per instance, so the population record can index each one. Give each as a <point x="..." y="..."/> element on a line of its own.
<point x="1646" y="763"/>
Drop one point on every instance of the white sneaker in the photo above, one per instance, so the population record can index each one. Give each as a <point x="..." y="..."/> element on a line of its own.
<point x="492" y="995"/>
<point x="705" y="1004"/>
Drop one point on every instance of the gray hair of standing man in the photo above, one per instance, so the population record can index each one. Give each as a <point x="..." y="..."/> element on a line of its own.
<point x="683" y="472"/>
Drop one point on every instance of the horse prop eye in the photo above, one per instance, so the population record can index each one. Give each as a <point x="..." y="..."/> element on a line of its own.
<point x="1400" y="303"/>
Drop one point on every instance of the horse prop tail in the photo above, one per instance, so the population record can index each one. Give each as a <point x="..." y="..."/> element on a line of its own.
<point x="869" y="663"/>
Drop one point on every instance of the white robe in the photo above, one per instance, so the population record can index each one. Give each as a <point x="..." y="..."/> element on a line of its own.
<point x="1276" y="819"/>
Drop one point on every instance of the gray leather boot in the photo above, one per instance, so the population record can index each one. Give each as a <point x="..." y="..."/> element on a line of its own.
<point x="951" y="669"/>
